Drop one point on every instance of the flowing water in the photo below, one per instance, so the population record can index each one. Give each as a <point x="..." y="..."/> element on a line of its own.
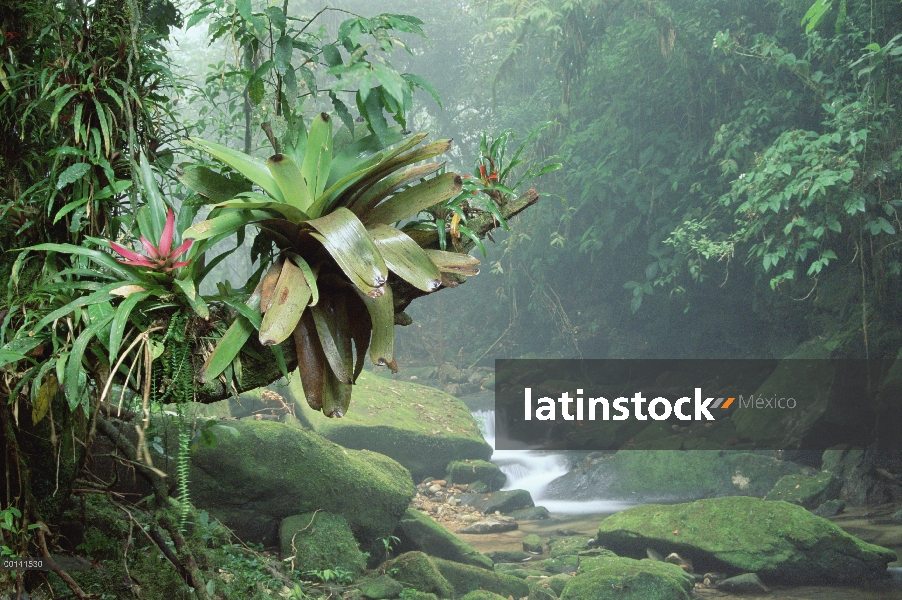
<point x="533" y="470"/>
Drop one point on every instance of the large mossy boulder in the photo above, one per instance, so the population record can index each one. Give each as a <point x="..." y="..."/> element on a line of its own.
<point x="465" y="579"/>
<point x="667" y="476"/>
<point x="422" y="428"/>
<point x="417" y="531"/>
<point x="628" y="579"/>
<point x="809" y="491"/>
<point x="419" y="572"/>
<point x="271" y="471"/>
<point x="319" y="541"/>
<point x="781" y="542"/>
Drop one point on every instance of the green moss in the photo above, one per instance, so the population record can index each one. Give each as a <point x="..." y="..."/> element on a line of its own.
<point x="628" y="579"/>
<point x="319" y="541"/>
<point x="781" y="542"/>
<point x="416" y="570"/>
<point x="562" y="564"/>
<point x="465" y="579"/>
<point x="272" y="470"/>
<point x="590" y="563"/>
<point x="558" y="547"/>
<point x="809" y="491"/>
<point x="483" y="595"/>
<point x="381" y="587"/>
<point x="532" y="543"/>
<point x="419" y="532"/>
<point x="422" y="428"/>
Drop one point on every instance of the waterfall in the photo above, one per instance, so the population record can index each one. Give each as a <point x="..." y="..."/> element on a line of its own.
<point x="533" y="470"/>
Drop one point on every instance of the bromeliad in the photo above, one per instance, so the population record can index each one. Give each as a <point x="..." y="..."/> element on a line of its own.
<point x="158" y="258"/>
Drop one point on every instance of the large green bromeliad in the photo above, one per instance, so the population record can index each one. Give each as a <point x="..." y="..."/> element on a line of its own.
<point x="331" y="215"/>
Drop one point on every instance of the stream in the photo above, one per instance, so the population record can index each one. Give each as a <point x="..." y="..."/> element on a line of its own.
<point x="534" y="470"/>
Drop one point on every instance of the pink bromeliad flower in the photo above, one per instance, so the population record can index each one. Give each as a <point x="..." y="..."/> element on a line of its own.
<point x="158" y="258"/>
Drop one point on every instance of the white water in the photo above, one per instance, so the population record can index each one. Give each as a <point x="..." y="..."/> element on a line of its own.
<point x="533" y="470"/>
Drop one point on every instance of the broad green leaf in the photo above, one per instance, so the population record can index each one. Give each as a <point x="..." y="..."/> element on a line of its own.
<point x="290" y="180"/>
<point x="211" y="184"/>
<point x="100" y="296"/>
<point x="255" y="201"/>
<point x="382" y="317"/>
<point x="405" y="258"/>
<point x="72" y="174"/>
<point x="412" y="200"/>
<point x="231" y="343"/>
<point x="354" y="157"/>
<point x="194" y="299"/>
<point x="324" y="202"/>
<point x="309" y="275"/>
<point x="155" y="207"/>
<point x="387" y="186"/>
<point x="43" y="399"/>
<point x="318" y="158"/>
<point x="224" y="224"/>
<point x="76" y="379"/>
<point x="120" y="321"/>
<point x="334" y="337"/>
<point x="255" y="170"/>
<point x="344" y="236"/>
<point x="289" y="300"/>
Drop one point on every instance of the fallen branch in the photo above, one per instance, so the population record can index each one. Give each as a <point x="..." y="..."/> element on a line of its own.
<point x="42" y="544"/>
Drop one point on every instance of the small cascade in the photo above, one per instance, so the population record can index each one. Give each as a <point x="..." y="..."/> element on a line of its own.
<point x="533" y="470"/>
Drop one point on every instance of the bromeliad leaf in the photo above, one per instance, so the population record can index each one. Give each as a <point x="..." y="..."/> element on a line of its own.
<point x="382" y="318"/>
<point x="248" y="166"/>
<point x="289" y="300"/>
<point x="211" y="184"/>
<point x="344" y="236"/>
<point x="454" y="262"/>
<point x="406" y="258"/>
<point x="413" y="200"/>
<point x="290" y="180"/>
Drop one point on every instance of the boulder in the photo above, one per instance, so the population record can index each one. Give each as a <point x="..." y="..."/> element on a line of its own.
<point x="469" y="471"/>
<point x="664" y="476"/>
<point x="417" y="531"/>
<point x="422" y="428"/>
<point x="418" y="571"/>
<point x="503" y="502"/>
<point x="530" y="514"/>
<point x="628" y="579"/>
<point x="483" y="595"/>
<point x="533" y="544"/>
<point x="747" y="583"/>
<point x="465" y="579"/>
<point x="830" y="508"/>
<point x="380" y="587"/>
<point x="321" y="540"/>
<point x="563" y="564"/>
<point x="809" y="491"/>
<point x="857" y="470"/>
<point x="493" y="524"/>
<point x="270" y="471"/>
<point x="507" y="556"/>
<point x="540" y="592"/>
<point x="781" y="542"/>
<point x="564" y="546"/>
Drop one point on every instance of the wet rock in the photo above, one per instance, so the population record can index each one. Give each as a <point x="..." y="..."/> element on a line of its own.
<point x="530" y="514"/>
<point x="747" y="583"/>
<point x="675" y="559"/>
<point x="497" y="524"/>
<point x="564" y="564"/>
<point x="419" y="572"/>
<point x="321" y="540"/>
<point x="558" y="547"/>
<point x="503" y="502"/>
<point x="809" y="491"/>
<point x="468" y="471"/>
<point x="540" y="592"/>
<point x="465" y="579"/>
<point x="532" y="543"/>
<point x="507" y="556"/>
<point x="628" y="579"/>
<point x="831" y="508"/>
<point x="417" y="531"/>
<point x="781" y="542"/>
<point x="381" y="587"/>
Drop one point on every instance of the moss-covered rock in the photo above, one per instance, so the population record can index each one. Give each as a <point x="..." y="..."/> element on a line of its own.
<point x="503" y="502"/>
<point x="652" y="475"/>
<point x="507" y="556"/>
<point x="590" y="563"/>
<point x="557" y="583"/>
<point x="564" y="546"/>
<point x="809" y="491"/>
<point x="532" y="543"/>
<point x="465" y="579"/>
<point x="321" y="540"/>
<point x="540" y="592"/>
<point x="530" y="514"/>
<point x="781" y="542"/>
<point x="468" y="471"/>
<point x="418" y="571"/>
<point x="380" y="587"/>
<point x="483" y="595"/>
<point x="271" y="471"/>
<point x="562" y="564"/>
<point x="422" y="428"/>
<point x="628" y="579"/>
<point x="417" y="531"/>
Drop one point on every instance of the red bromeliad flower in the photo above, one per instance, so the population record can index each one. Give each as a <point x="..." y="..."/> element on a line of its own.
<point x="158" y="258"/>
